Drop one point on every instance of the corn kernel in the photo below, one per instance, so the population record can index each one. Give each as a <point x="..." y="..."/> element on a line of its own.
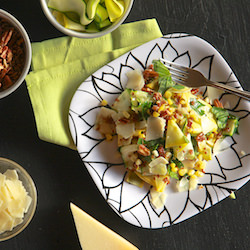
<point x="150" y="85"/>
<point x="142" y="136"/>
<point x="182" y="102"/>
<point x="193" y="176"/>
<point x="155" y="114"/>
<point x="109" y="137"/>
<point x="137" y="132"/>
<point x="211" y="136"/>
<point x="170" y="102"/>
<point x="182" y="171"/>
<point x="138" y="162"/>
<point x="191" y="172"/>
<point x="210" y="143"/>
<point x="199" y="173"/>
<point x="104" y="103"/>
<point x="172" y="165"/>
<point x="162" y="107"/>
<point x="171" y="110"/>
<point x="155" y="153"/>
<point x="168" y="155"/>
<point x="200" y="157"/>
<point x="174" y="169"/>
<point x="242" y="152"/>
<point x="232" y="195"/>
<point x="193" y="115"/>
<point x="167" y="94"/>
<point x="199" y="165"/>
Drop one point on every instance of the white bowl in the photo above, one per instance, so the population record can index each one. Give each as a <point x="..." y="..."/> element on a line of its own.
<point x="115" y="25"/>
<point x="29" y="186"/>
<point x="28" y="52"/>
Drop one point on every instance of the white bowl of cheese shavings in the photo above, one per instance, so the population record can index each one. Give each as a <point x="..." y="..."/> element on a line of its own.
<point x="18" y="199"/>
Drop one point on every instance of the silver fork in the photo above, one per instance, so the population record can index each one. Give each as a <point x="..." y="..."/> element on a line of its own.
<point x="193" y="78"/>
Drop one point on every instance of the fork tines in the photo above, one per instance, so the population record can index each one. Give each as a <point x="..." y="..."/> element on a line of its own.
<point x="178" y="72"/>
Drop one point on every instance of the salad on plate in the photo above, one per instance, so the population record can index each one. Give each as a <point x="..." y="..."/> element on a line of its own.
<point x="165" y="132"/>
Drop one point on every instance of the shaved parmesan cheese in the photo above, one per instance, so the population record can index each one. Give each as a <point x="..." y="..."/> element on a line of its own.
<point x="158" y="199"/>
<point x="220" y="145"/>
<point x="155" y="128"/>
<point x="104" y="121"/>
<point x="11" y="174"/>
<point x="158" y="166"/>
<point x="14" y="201"/>
<point x="125" y="130"/>
<point x="135" y="80"/>
<point x="213" y="93"/>
<point x="208" y="125"/>
<point x="182" y="185"/>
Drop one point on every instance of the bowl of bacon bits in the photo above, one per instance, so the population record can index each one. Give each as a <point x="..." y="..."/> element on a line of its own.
<point x="15" y="53"/>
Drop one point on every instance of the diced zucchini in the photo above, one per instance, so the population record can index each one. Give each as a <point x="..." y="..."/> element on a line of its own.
<point x="231" y="127"/>
<point x="186" y="151"/>
<point x="205" y="150"/>
<point x="122" y="103"/>
<point x="133" y="179"/>
<point x="195" y="128"/>
<point x="141" y="102"/>
<point x="129" y="155"/>
<point x="174" y="136"/>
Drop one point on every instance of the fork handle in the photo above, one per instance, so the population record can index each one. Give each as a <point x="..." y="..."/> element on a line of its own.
<point x="242" y="93"/>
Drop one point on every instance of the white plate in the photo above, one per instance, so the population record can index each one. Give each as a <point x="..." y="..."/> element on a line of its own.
<point x="227" y="171"/>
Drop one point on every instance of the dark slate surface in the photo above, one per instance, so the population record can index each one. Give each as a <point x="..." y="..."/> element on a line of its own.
<point x="58" y="172"/>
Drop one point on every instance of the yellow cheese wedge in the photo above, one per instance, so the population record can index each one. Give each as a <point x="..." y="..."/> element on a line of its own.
<point x="94" y="235"/>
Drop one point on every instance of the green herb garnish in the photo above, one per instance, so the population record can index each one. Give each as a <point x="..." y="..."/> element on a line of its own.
<point x="172" y="174"/>
<point x="178" y="163"/>
<point x="196" y="106"/>
<point x="165" y="81"/>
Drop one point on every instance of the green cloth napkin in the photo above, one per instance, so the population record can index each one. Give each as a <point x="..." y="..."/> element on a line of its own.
<point x="60" y="65"/>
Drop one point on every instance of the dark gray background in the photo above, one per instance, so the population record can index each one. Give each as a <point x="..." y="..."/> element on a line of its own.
<point x="58" y="172"/>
